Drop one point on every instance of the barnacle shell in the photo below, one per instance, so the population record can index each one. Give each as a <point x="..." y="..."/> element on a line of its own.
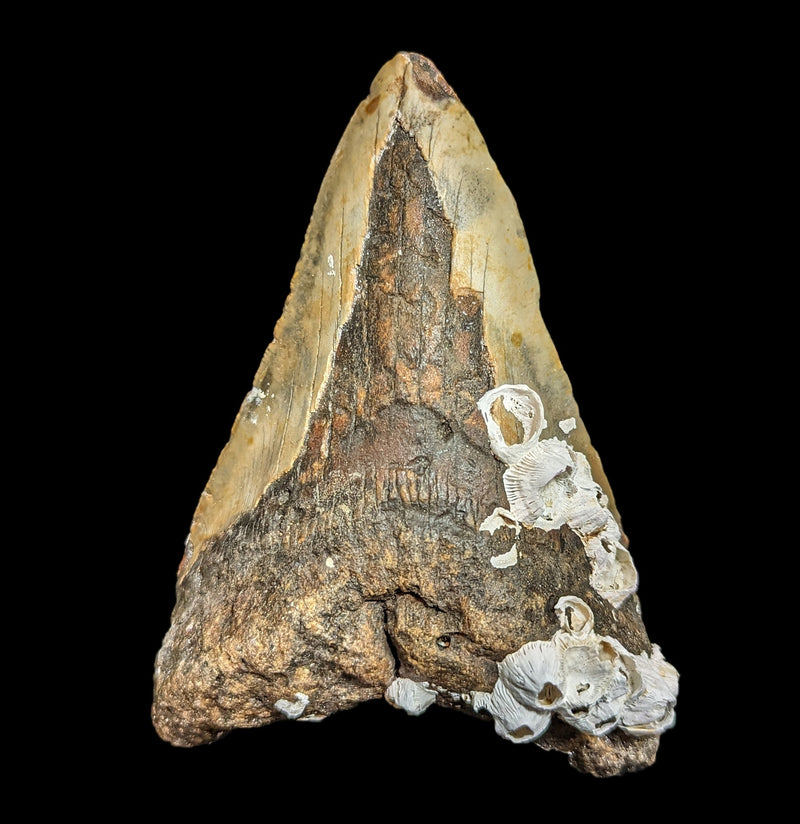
<point x="575" y="616"/>
<point x="526" y="406"/>
<point x="515" y="721"/>
<point x="589" y="681"/>
<point x="595" y="685"/>
<point x="532" y="674"/>
<point x="549" y="485"/>
<point x="409" y="695"/>
<point x="652" y="709"/>
<point x="526" y="480"/>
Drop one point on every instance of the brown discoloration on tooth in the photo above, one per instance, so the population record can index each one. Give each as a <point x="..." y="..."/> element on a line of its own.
<point x="429" y="79"/>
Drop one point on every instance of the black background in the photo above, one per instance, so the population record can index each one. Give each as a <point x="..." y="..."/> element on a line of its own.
<point x="204" y="142"/>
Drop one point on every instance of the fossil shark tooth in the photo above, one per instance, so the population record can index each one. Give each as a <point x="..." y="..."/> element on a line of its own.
<point x="409" y="506"/>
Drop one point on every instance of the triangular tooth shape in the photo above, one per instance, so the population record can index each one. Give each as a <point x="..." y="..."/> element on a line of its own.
<point x="409" y="506"/>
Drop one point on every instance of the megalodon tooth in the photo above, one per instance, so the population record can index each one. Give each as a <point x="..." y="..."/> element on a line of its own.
<point x="409" y="507"/>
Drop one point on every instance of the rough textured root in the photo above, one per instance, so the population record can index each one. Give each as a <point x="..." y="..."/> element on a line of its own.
<point x="602" y="757"/>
